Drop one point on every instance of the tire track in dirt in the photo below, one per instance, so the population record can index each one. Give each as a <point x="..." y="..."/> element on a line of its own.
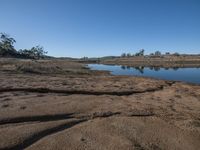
<point x="37" y="136"/>
<point x="42" y="118"/>
<point x="84" y="92"/>
<point x="47" y="132"/>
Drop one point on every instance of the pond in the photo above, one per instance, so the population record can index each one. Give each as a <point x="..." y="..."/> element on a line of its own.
<point x="191" y="75"/>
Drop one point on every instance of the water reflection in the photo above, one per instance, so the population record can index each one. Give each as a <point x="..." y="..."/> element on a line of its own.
<point x="141" y="68"/>
<point x="174" y="73"/>
<point x="175" y="68"/>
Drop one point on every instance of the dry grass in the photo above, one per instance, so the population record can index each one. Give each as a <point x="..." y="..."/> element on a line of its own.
<point x="62" y="67"/>
<point x="38" y="68"/>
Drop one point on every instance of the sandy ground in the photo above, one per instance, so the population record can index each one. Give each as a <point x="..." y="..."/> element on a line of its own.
<point x="63" y="105"/>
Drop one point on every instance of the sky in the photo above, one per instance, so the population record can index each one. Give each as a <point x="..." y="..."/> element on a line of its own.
<point x="95" y="28"/>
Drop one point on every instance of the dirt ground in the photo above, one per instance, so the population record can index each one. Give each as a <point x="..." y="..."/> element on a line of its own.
<point x="61" y="104"/>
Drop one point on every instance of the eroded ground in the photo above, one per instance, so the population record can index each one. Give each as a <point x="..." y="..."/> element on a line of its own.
<point x="74" y="108"/>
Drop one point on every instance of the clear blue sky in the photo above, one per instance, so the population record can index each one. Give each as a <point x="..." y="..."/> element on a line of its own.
<point x="79" y="28"/>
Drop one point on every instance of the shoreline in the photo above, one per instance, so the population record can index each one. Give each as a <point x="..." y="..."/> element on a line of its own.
<point x="150" y="61"/>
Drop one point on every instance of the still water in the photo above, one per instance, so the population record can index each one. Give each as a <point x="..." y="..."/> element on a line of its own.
<point x="191" y="75"/>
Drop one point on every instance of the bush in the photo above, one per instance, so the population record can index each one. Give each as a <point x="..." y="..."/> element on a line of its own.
<point x="35" y="52"/>
<point x="158" y="53"/>
<point x="123" y="55"/>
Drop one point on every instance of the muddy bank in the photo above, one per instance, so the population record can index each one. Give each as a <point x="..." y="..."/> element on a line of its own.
<point x="75" y="108"/>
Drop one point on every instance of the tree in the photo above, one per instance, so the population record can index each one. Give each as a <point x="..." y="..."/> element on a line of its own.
<point x="157" y="53"/>
<point x="140" y="53"/>
<point x="35" y="52"/>
<point x="38" y="51"/>
<point x="176" y="54"/>
<point x="85" y="58"/>
<point x="128" y="55"/>
<point x="26" y="53"/>
<point x="7" y="49"/>
<point x="123" y="55"/>
<point x="6" y="45"/>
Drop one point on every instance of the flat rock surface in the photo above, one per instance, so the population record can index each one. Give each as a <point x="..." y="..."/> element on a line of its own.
<point x="92" y="110"/>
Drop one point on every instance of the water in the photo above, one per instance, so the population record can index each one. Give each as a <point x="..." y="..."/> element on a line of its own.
<point x="191" y="75"/>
